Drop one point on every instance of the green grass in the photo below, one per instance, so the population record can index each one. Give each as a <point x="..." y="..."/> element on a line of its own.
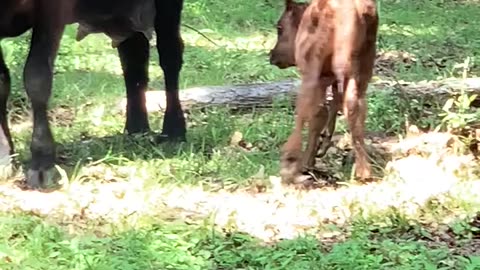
<point x="29" y="243"/>
<point x="88" y="86"/>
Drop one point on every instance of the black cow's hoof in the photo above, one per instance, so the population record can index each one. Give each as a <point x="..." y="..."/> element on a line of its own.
<point x="136" y="130"/>
<point x="40" y="179"/>
<point x="164" y="138"/>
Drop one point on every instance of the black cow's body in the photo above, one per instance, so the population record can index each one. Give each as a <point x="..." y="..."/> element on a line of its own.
<point x="128" y="23"/>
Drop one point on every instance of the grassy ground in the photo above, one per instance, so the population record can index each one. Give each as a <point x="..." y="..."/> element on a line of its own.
<point x="421" y="40"/>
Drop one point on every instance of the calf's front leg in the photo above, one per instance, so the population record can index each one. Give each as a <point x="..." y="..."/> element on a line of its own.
<point x="318" y="120"/>
<point x="355" y="110"/>
<point x="291" y="160"/>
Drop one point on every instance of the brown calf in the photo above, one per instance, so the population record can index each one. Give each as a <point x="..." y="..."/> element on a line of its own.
<point x="332" y="42"/>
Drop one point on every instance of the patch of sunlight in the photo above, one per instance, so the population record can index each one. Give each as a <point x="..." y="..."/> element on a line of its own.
<point x="94" y="53"/>
<point x="422" y="169"/>
<point x="256" y="42"/>
<point x="409" y="30"/>
<point x="25" y="125"/>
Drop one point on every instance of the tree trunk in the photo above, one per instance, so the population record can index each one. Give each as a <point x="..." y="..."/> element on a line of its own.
<point x="262" y="94"/>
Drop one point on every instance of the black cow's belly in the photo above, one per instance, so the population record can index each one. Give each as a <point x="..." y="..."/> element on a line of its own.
<point x="15" y="25"/>
<point x="117" y="19"/>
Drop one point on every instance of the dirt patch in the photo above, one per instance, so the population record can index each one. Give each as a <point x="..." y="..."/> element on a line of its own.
<point x="386" y="62"/>
<point x="62" y="116"/>
<point x="338" y="161"/>
<point x="471" y="247"/>
<point x="21" y="118"/>
<point x="464" y="243"/>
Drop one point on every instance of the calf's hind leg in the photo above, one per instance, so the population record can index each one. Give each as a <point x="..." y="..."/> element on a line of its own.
<point x="134" y="55"/>
<point x="355" y="109"/>
<point x="326" y="136"/>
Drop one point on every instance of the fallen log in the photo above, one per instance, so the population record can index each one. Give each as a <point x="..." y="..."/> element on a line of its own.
<point x="236" y="96"/>
<point x="263" y="94"/>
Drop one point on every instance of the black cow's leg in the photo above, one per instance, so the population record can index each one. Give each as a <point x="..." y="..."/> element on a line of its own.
<point x="134" y="56"/>
<point x="6" y="144"/>
<point x="38" y="76"/>
<point x="170" y="50"/>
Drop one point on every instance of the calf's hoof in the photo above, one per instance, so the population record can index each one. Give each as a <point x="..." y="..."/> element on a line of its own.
<point x="309" y="161"/>
<point x="40" y="179"/>
<point x="290" y="166"/>
<point x="363" y="171"/>
<point x="324" y="148"/>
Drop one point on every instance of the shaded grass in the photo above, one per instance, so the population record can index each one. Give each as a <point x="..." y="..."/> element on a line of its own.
<point x="207" y="156"/>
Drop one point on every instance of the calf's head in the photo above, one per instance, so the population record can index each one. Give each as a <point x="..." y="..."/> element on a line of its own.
<point x="283" y="54"/>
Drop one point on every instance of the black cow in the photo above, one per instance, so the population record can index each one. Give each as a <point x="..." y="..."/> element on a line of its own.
<point x="128" y="23"/>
